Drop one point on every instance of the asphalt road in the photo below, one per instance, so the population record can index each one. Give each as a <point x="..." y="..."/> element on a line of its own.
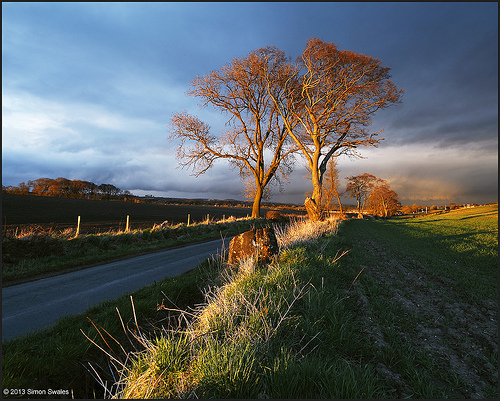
<point x="39" y="304"/>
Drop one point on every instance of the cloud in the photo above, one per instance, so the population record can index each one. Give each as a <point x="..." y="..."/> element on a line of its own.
<point x="89" y="89"/>
<point x="50" y="126"/>
<point x="422" y="174"/>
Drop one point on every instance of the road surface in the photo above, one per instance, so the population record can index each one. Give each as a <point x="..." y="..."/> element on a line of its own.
<point x="39" y="304"/>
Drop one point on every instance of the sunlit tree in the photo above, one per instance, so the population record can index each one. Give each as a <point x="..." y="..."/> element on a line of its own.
<point x="41" y="186"/>
<point x="406" y="209"/>
<point x="331" y="186"/>
<point x="256" y="141"/>
<point x="383" y="200"/>
<point x="359" y="187"/>
<point x="326" y="104"/>
<point x="62" y="187"/>
<point x="250" y="190"/>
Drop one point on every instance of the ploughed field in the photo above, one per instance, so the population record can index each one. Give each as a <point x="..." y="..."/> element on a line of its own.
<point x="23" y="212"/>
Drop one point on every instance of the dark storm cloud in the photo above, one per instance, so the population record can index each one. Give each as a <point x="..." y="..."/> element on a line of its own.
<point x="458" y="104"/>
<point x="89" y="88"/>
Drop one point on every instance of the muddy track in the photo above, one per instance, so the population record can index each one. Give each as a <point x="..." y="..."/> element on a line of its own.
<point x="462" y="338"/>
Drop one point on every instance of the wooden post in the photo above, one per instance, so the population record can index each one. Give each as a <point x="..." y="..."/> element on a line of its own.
<point x="127" y="226"/>
<point x="78" y="227"/>
<point x="189" y="216"/>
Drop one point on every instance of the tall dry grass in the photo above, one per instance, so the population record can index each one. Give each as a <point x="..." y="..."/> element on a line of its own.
<point x="301" y="231"/>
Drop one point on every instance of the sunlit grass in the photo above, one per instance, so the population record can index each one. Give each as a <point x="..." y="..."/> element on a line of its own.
<point x="60" y="357"/>
<point x="462" y="245"/>
<point x="254" y="321"/>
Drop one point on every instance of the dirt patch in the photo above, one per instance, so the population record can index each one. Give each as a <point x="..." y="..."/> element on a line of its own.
<point x="461" y="337"/>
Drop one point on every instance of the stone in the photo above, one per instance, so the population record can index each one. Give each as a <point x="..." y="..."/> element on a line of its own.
<point x="241" y="246"/>
<point x="266" y="243"/>
<point x="261" y="242"/>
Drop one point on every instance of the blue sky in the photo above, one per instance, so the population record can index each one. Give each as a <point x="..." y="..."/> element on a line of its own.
<point x="88" y="90"/>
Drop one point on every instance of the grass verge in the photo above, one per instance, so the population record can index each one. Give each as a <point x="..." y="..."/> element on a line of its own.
<point x="62" y="358"/>
<point x="29" y="256"/>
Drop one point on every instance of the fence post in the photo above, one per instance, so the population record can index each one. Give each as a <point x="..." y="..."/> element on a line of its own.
<point x="127" y="226"/>
<point x="78" y="227"/>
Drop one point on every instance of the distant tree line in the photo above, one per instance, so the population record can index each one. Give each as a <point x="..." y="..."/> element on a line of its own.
<point x="62" y="187"/>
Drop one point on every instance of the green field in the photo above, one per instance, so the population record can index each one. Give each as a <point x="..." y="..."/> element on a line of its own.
<point x="409" y="312"/>
<point x="429" y="291"/>
<point x="460" y="245"/>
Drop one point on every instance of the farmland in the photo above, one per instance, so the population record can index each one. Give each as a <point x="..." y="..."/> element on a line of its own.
<point x="57" y="214"/>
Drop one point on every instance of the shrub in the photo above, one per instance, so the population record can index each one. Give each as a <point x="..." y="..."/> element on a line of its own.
<point x="274" y="216"/>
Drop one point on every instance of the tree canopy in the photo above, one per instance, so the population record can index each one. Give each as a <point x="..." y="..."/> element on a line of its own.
<point x="383" y="201"/>
<point x="359" y="187"/>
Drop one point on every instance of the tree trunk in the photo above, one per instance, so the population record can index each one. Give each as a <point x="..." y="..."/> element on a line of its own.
<point x="313" y="204"/>
<point x="338" y="200"/>
<point x="256" y="202"/>
<point x="313" y="209"/>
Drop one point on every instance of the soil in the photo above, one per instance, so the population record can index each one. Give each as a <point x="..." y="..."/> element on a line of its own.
<point x="461" y="337"/>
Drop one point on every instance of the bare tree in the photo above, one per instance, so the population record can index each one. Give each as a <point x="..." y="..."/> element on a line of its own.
<point x="250" y="190"/>
<point x="360" y="187"/>
<point x="256" y="141"/>
<point x="326" y="103"/>
<point x="383" y="200"/>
